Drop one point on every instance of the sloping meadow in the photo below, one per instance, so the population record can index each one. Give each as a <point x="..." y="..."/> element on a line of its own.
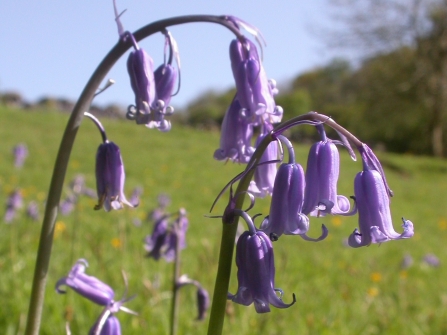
<point x="393" y="288"/>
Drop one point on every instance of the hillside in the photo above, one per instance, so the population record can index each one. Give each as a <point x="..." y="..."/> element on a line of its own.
<point x="338" y="289"/>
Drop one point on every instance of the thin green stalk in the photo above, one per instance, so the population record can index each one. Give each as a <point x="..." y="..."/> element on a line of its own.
<point x="227" y="243"/>
<point x="66" y="145"/>
<point x="175" y="287"/>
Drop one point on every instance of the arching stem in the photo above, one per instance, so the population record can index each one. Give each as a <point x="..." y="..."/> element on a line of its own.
<point x="66" y="145"/>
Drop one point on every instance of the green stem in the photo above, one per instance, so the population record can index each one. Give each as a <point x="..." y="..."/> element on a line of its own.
<point x="175" y="287"/>
<point x="68" y="138"/>
<point x="227" y="243"/>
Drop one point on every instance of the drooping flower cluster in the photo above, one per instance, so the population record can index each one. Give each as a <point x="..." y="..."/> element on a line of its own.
<point x="296" y="195"/>
<point x="153" y="89"/>
<point x="166" y="237"/>
<point x="253" y="106"/>
<point x="98" y="292"/>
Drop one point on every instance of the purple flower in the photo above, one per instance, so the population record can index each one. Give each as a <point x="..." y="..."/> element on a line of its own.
<point x="110" y="177"/>
<point x="176" y="236"/>
<point x="165" y="238"/>
<point x="235" y="138"/>
<point x="89" y="287"/>
<point x="155" y="242"/>
<point x="32" y="211"/>
<point x="13" y="203"/>
<point x="203" y="302"/>
<point x="20" y="152"/>
<point x="68" y="204"/>
<point x="98" y="292"/>
<point x="264" y="176"/>
<point x="373" y="205"/>
<point x="111" y="326"/>
<point x="286" y="216"/>
<point x="153" y="90"/>
<point x="135" y="196"/>
<point x="254" y="90"/>
<point x="431" y="260"/>
<point x="256" y="273"/>
<point x="323" y="167"/>
<point x="140" y="69"/>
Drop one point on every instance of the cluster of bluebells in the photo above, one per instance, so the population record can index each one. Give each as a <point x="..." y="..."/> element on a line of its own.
<point x="252" y="107"/>
<point x="97" y="292"/>
<point x="153" y="89"/>
<point x="167" y="236"/>
<point x="296" y="196"/>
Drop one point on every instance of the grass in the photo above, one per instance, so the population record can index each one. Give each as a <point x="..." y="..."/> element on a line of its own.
<point x="338" y="289"/>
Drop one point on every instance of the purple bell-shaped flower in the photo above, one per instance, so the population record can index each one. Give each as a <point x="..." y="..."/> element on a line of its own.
<point x="265" y="173"/>
<point x="236" y="134"/>
<point x="254" y="91"/>
<point x="323" y="168"/>
<point x="373" y="202"/>
<point x="256" y="273"/>
<point x="110" y="177"/>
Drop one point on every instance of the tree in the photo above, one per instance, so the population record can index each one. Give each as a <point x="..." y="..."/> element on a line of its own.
<point x="382" y="27"/>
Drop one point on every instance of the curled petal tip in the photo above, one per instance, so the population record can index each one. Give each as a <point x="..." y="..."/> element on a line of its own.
<point x="324" y="234"/>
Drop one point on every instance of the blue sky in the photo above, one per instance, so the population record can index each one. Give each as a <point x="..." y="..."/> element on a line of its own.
<point x="51" y="47"/>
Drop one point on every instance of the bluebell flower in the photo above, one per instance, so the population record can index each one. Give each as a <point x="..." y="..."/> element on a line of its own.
<point x="165" y="77"/>
<point x="68" y="204"/>
<point x="88" y="286"/>
<point x="203" y="302"/>
<point x="141" y="72"/>
<point x="236" y="134"/>
<point x="155" y="242"/>
<point x="176" y="236"/>
<point x="98" y="292"/>
<point x="373" y="202"/>
<point x="20" y="152"/>
<point x="256" y="273"/>
<point x="32" y="211"/>
<point x="111" y="326"/>
<point x="14" y="203"/>
<point x="323" y="168"/>
<point x="254" y="91"/>
<point x="110" y="177"/>
<point x="265" y="173"/>
<point x="431" y="260"/>
<point x="286" y="216"/>
<point x="153" y="89"/>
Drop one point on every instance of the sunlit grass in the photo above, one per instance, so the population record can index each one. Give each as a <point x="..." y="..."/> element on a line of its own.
<point x="339" y="290"/>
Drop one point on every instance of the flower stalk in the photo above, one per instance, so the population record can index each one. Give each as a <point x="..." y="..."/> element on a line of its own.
<point x="215" y="326"/>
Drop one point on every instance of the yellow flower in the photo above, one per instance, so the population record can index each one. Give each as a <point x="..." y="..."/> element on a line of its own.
<point x="59" y="228"/>
<point x="116" y="243"/>
<point x="376" y="277"/>
<point x="373" y="292"/>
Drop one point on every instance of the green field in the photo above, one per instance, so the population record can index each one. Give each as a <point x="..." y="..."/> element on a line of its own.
<point x="339" y="290"/>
